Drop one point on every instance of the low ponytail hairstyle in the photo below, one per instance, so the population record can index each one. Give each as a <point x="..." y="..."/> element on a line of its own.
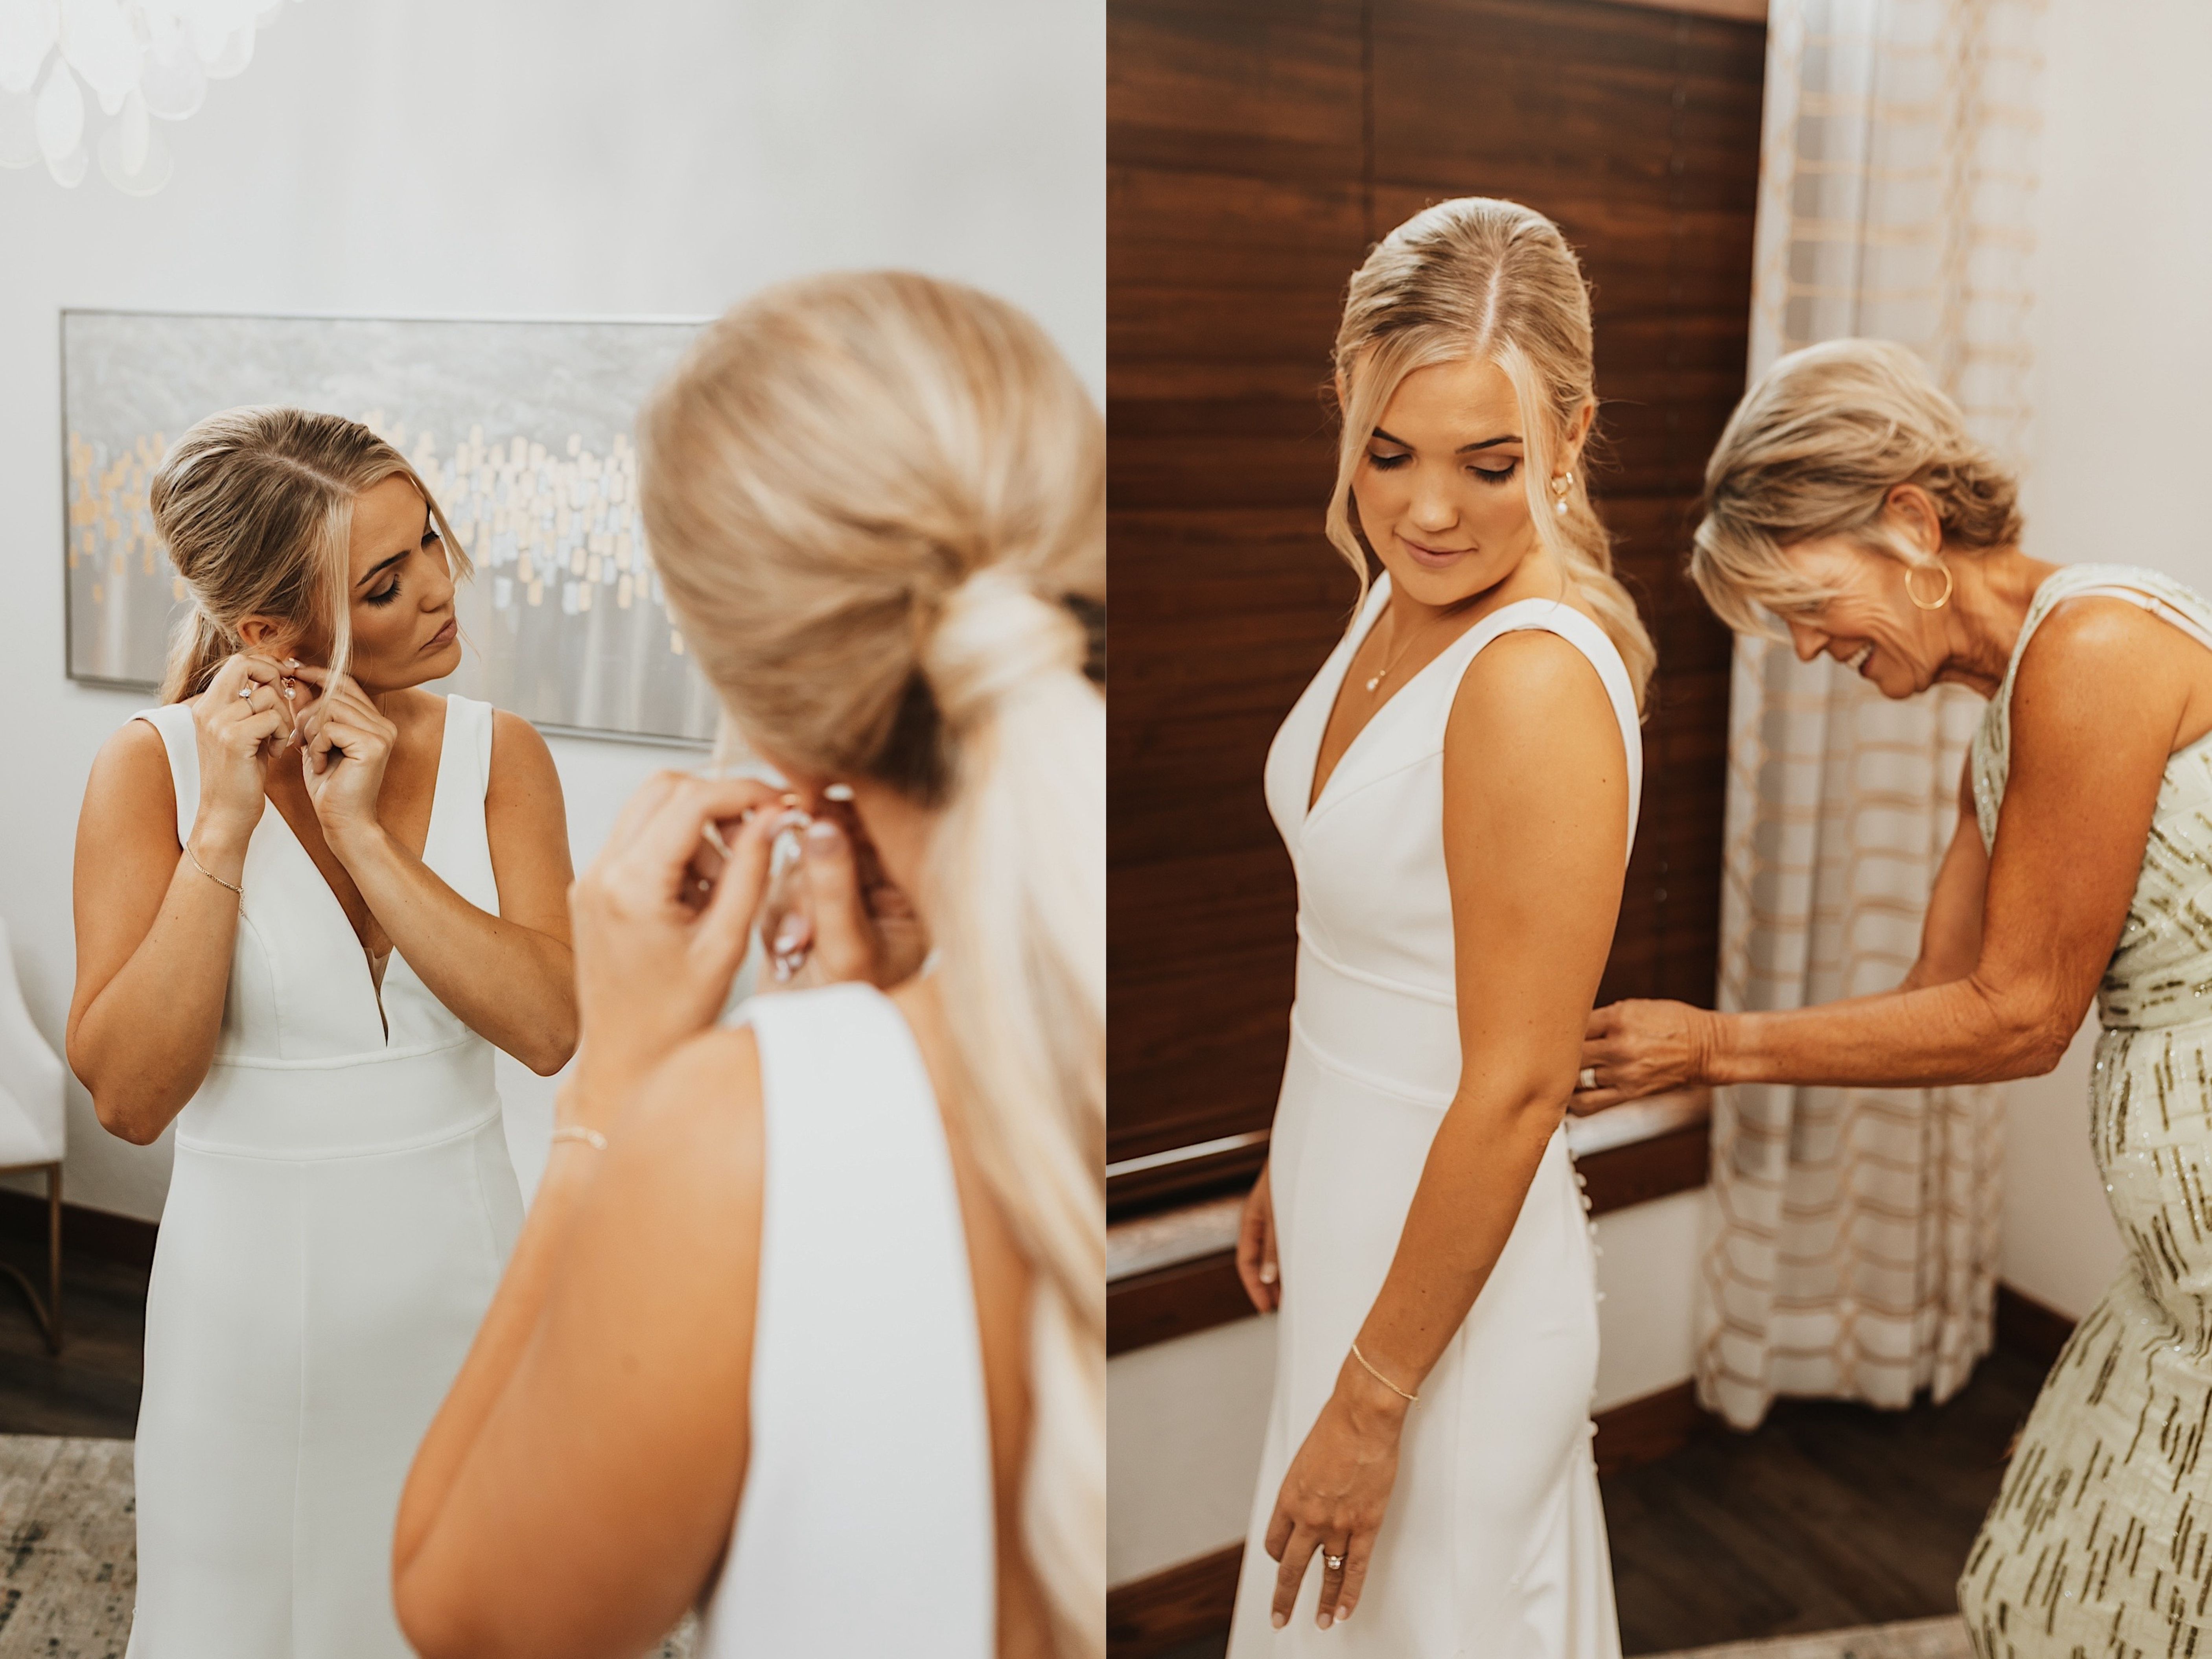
<point x="1476" y="278"/>
<point x="877" y="501"/>
<point x="255" y="506"/>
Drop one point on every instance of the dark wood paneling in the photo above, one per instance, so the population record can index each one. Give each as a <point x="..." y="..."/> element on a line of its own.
<point x="1254" y="149"/>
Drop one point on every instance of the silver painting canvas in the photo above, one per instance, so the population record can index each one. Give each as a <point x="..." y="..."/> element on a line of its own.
<point x="524" y="431"/>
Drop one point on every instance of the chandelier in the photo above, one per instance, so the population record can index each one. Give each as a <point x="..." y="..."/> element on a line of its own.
<point x="136" y="60"/>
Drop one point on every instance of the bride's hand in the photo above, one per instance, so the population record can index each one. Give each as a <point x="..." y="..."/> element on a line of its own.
<point x="1635" y="1048"/>
<point x="839" y="913"/>
<point x="345" y="743"/>
<point x="1334" y="1495"/>
<point x="1255" y="1247"/>
<point x="238" y="722"/>
<point x="660" y="922"/>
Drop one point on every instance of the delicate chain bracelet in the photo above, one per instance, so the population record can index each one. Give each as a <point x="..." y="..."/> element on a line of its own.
<point x="591" y="1138"/>
<point x="214" y="877"/>
<point x="1409" y="1398"/>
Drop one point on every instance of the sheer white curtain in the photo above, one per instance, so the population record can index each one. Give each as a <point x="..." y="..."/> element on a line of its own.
<point x="1858" y="1249"/>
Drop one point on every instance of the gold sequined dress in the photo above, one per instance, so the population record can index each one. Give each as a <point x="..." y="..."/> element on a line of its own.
<point x="2100" y="1543"/>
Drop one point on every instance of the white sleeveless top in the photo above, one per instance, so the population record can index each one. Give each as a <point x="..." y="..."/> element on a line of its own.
<point x="867" y="1524"/>
<point x="1374" y="898"/>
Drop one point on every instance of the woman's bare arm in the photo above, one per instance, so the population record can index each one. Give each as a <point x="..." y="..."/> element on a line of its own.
<point x="154" y="941"/>
<point x="578" y="1487"/>
<point x="2104" y="696"/>
<point x="1951" y="930"/>
<point x="1536" y="843"/>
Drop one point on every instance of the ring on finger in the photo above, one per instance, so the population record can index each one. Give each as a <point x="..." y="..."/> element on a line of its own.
<point x="1333" y="1563"/>
<point x="1587" y="1077"/>
<point x="247" y="691"/>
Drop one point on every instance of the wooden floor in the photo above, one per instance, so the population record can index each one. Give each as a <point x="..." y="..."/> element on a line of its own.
<point x="1828" y="1516"/>
<point x="92" y="1389"/>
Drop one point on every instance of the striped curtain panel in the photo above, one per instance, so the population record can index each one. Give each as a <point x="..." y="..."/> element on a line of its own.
<point x="1857" y="1254"/>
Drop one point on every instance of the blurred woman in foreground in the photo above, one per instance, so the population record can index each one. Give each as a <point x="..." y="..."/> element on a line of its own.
<point x="807" y="1320"/>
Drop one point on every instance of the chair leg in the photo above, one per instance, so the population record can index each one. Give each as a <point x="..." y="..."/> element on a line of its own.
<point x="54" y="1259"/>
<point x="47" y="1309"/>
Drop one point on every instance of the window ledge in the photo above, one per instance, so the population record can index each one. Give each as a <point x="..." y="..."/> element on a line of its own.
<point x="1174" y="1272"/>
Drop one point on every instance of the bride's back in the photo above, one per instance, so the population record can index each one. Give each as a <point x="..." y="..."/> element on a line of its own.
<point x="870" y="499"/>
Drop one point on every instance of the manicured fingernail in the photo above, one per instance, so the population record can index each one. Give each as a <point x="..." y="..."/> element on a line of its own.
<point x="837" y="792"/>
<point x="788" y="932"/>
<point x="1343" y="1613"/>
<point x="1267" y="1272"/>
<point x="1323" y="1620"/>
<point x="1280" y="1619"/>
<point x="823" y="833"/>
<point x="291" y="662"/>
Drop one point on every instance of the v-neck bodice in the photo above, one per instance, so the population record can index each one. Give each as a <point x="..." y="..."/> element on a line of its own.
<point x="301" y="988"/>
<point x="1374" y="900"/>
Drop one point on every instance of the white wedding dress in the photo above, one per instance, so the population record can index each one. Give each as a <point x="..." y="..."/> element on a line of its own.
<point x="866" y="1527"/>
<point x="341" y="1209"/>
<point x="1493" y="1545"/>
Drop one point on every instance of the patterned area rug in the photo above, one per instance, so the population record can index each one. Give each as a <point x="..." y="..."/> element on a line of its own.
<point x="1918" y="1639"/>
<point x="70" y="1572"/>
<point x="68" y="1566"/>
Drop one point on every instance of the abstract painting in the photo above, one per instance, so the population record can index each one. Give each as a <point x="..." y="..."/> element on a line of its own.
<point x="523" y="430"/>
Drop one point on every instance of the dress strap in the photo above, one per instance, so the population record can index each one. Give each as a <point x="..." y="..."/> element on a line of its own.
<point x="173" y="720"/>
<point x="1554" y="616"/>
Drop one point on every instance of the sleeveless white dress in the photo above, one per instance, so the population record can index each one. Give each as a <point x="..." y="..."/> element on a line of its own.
<point x="1493" y="1545"/>
<point x="341" y="1210"/>
<point x="866" y="1527"/>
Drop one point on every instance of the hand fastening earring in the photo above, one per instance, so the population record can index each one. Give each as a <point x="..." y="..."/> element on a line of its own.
<point x="1941" y="600"/>
<point x="1560" y="485"/>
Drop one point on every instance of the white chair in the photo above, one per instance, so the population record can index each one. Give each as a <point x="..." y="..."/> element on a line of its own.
<point x="33" y="1131"/>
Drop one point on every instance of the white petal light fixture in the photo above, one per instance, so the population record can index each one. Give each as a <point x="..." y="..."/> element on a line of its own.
<point x="135" y="60"/>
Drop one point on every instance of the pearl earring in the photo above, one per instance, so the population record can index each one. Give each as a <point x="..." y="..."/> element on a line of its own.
<point x="1560" y="485"/>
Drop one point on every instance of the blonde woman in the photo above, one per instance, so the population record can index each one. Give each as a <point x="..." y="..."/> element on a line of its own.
<point x="311" y="898"/>
<point x="1457" y="788"/>
<point x="1847" y="501"/>
<point x="807" y="1324"/>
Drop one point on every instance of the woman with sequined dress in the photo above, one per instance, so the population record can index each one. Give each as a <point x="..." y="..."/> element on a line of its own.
<point x="1846" y="500"/>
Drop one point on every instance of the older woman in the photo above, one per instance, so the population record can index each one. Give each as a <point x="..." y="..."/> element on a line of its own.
<point x="1846" y="498"/>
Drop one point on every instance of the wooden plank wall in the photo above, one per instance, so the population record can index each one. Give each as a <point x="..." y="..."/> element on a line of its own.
<point x="1256" y="148"/>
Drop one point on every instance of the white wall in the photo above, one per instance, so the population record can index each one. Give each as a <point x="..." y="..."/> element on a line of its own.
<point x="521" y="157"/>
<point x="2123" y="353"/>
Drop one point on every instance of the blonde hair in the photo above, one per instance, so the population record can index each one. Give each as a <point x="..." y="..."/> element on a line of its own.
<point x="869" y="497"/>
<point x="1476" y="278"/>
<point x="255" y="506"/>
<point x="1813" y="450"/>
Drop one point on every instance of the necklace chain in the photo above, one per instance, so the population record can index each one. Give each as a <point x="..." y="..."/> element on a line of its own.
<point x="1399" y="655"/>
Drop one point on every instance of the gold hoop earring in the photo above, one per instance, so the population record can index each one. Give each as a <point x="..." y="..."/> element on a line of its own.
<point x="1941" y="600"/>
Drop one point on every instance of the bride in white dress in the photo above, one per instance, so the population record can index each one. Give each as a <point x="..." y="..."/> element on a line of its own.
<point x="310" y="899"/>
<point x="807" y="1324"/>
<point x="1457" y="789"/>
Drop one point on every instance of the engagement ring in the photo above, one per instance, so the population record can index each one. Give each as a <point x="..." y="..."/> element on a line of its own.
<point x="1333" y="1563"/>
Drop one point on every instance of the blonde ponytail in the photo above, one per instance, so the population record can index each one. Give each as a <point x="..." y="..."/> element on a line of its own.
<point x="1020" y="913"/>
<point x="874" y="500"/>
<point x="1480" y="277"/>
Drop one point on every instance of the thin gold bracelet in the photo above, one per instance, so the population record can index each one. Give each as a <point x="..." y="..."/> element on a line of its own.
<point x="1410" y="1398"/>
<point x="591" y="1138"/>
<point x="214" y="877"/>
